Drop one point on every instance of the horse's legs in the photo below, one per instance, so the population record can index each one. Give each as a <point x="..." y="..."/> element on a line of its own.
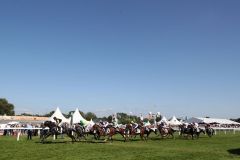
<point x="44" y="136"/>
<point x="148" y="134"/>
<point x="141" y="136"/>
<point x="110" y="137"/>
<point x="145" y="137"/>
<point x="72" y="137"/>
<point x="126" y="137"/>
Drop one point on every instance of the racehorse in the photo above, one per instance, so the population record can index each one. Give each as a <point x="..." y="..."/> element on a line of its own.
<point x="90" y="130"/>
<point x="210" y="131"/>
<point x="140" y="130"/>
<point x="98" y="131"/>
<point x="69" y="131"/>
<point x="147" y="131"/>
<point x="166" y="132"/>
<point x="199" y="131"/>
<point x="131" y="131"/>
<point x="110" y="132"/>
<point x="54" y="130"/>
<point x="123" y="132"/>
<point x="190" y="131"/>
<point x="79" y="131"/>
<point x="104" y="131"/>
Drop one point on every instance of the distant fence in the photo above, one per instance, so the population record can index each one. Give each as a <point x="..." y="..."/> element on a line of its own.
<point x="226" y="130"/>
<point x="217" y="130"/>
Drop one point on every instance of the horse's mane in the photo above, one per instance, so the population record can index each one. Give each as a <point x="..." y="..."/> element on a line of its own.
<point x="49" y="124"/>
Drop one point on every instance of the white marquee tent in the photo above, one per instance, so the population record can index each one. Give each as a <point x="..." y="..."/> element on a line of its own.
<point x="164" y="119"/>
<point x="58" y="114"/>
<point x="211" y="120"/>
<point x="174" y="121"/>
<point x="77" y="117"/>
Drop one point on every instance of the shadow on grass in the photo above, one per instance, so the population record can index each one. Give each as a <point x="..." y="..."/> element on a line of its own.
<point x="161" y="139"/>
<point x="51" y="142"/>
<point x="234" y="151"/>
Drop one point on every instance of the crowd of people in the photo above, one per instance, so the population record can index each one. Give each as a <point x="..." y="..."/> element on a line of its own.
<point x="12" y="130"/>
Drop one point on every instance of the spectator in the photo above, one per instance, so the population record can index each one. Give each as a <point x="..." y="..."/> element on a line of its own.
<point x="29" y="132"/>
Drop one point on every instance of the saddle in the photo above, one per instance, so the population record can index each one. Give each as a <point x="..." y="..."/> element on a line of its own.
<point x="137" y="130"/>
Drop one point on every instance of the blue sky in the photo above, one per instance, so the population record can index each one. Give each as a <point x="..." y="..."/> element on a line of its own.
<point x="177" y="57"/>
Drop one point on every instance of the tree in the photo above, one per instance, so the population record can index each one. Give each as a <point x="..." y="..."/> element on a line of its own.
<point x="90" y="115"/>
<point x="26" y="114"/>
<point x="70" y="113"/>
<point x="82" y="114"/>
<point x="6" y="108"/>
<point x="158" y="118"/>
<point x="49" y="114"/>
<point x="124" y="118"/>
<point x="236" y="120"/>
<point x="109" y="119"/>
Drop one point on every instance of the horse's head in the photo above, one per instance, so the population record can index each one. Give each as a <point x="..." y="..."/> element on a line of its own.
<point x="94" y="126"/>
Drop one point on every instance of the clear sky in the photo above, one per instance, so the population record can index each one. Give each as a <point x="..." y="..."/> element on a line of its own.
<point x="177" y="57"/>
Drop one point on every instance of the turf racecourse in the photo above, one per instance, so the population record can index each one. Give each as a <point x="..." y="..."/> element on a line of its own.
<point x="219" y="147"/>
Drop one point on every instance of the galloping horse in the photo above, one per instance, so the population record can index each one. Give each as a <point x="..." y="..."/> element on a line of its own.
<point x="69" y="131"/>
<point x="166" y="132"/>
<point x="54" y="130"/>
<point x="132" y="131"/>
<point x="79" y="131"/>
<point x="210" y="131"/>
<point x="110" y="132"/>
<point x="101" y="131"/>
<point x="90" y="130"/>
<point x="140" y="130"/>
<point x="199" y="131"/>
<point x="123" y="132"/>
<point x="147" y="131"/>
<point x="190" y="131"/>
<point x="98" y="131"/>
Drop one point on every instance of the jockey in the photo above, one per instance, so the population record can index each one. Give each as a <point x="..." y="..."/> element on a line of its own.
<point x="195" y="126"/>
<point x="81" y="123"/>
<point x="164" y="125"/>
<point x="135" y="125"/>
<point x="101" y="123"/>
<point x="58" y="121"/>
<point x="185" y="125"/>
<point x="105" y="124"/>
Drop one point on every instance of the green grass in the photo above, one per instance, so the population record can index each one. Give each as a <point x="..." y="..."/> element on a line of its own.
<point x="218" y="147"/>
